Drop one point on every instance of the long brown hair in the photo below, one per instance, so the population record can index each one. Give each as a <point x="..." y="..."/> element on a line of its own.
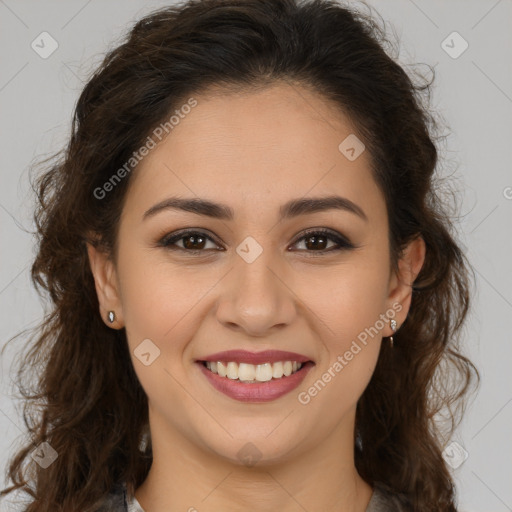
<point x="87" y="402"/>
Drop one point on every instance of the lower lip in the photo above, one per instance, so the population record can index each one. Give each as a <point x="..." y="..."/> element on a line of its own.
<point x="260" y="392"/>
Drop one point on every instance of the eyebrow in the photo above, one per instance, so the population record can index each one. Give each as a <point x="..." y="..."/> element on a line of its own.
<point x="293" y="208"/>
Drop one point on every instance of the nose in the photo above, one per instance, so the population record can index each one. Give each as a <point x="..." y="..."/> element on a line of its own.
<point x="256" y="297"/>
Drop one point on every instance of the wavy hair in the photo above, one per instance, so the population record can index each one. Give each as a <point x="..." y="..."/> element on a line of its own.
<point x="87" y="402"/>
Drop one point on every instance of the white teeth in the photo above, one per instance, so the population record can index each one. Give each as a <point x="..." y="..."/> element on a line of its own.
<point x="277" y="370"/>
<point x="253" y="373"/>
<point x="264" y="372"/>
<point x="246" y="371"/>
<point x="232" y="371"/>
<point x="221" y="369"/>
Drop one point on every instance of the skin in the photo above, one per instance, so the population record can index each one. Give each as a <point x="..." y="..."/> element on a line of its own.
<point x="254" y="151"/>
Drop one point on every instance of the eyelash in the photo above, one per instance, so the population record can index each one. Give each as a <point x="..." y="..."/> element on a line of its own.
<point x="342" y="243"/>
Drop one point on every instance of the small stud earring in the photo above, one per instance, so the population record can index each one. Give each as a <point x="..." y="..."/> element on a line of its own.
<point x="392" y="324"/>
<point x="111" y="317"/>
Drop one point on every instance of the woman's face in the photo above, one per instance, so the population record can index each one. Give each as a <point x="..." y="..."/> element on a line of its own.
<point x="259" y="280"/>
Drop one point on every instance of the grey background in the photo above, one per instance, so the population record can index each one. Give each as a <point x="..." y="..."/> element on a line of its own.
<point x="473" y="93"/>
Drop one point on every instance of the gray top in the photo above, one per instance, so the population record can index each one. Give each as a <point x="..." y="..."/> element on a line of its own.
<point x="382" y="501"/>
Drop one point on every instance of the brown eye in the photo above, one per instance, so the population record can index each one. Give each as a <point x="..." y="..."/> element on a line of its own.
<point x="317" y="241"/>
<point x="192" y="241"/>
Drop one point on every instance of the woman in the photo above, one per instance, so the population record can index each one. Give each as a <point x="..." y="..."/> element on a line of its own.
<point x="257" y="295"/>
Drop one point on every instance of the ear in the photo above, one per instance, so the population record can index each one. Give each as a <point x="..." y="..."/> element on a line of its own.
<point x="107" y="285"/>
<point x="400" y="283"/>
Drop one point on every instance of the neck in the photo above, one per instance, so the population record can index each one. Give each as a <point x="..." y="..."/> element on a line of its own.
<point x="184" y="476"/>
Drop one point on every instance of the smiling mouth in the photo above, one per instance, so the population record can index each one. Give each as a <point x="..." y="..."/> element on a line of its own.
<point x="252" y="374"/>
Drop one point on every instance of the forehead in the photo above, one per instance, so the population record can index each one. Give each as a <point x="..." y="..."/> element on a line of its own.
<point x="256" y="148"/>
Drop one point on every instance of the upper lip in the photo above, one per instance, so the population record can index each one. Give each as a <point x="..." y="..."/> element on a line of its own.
<point x="267" y="356"/>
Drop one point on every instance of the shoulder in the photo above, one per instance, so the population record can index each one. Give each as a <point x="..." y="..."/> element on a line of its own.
<point x="115" y="501"/>
<point x="384" y="500"/>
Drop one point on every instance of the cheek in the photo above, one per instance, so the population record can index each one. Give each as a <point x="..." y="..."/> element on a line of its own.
<point x="347" y="307"/>
<point x="160" y="307"/>
<point x="158" y="299"/>
<point x="347" y="299"/>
